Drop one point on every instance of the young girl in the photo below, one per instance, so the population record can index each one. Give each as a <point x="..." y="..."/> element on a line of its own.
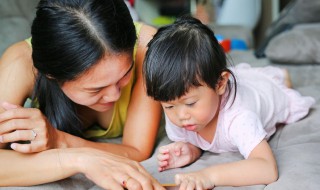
<point x="211" y="107"/>
<point x="83" y="70"/>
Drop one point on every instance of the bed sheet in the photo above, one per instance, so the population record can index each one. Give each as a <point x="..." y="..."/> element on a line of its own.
<point x="296" y="146"/>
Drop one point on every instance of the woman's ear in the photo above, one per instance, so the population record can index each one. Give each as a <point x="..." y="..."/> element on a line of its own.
<point x="222" y="83"/>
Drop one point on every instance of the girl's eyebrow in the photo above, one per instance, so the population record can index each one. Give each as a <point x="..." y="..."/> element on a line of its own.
<point x="98" y="88"/>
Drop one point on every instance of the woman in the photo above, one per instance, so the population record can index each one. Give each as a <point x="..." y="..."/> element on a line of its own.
<point x="82" y="69"/>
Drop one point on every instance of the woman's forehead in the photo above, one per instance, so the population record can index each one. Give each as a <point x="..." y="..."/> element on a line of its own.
<point x="108" y="68"/>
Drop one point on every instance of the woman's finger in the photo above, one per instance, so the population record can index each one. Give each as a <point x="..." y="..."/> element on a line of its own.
<point x="15" y="124"/>
<point x="131" y="183"/>
<point x="18" y="135"/>
<point x="8" y="106"/>
<point x="109" y="183"/>
<point x="19" y="113"/>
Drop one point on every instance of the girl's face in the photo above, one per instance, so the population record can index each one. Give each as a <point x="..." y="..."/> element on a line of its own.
<point x="196" y="109"/>
<point x="100" y="87"/>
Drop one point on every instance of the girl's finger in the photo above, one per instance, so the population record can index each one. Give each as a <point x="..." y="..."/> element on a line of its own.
<point x="163" y="164"/>
<point x="191" y="185"/>
<point x="199" y="185"/>
<point x="163" y="150"/>
<point x="178" y="179"/>
<point x="162" y="157"/>
<point x="183" y="184"/>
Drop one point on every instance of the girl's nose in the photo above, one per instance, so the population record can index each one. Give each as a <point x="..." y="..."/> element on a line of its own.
<point x="184" y="114"/>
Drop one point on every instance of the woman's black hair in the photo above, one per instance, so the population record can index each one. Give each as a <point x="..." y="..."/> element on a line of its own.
<point x="68" y="38"/>
<point x="182" y="55"/>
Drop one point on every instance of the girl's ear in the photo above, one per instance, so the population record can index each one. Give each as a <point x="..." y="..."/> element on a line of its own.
<point x="222" y="83"/>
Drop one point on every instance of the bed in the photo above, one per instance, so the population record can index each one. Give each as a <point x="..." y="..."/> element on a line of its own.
<point x="296" y="146"/>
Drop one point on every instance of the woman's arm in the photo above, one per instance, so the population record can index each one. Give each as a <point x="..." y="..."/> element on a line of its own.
<point x="144" y="113"/>
<point x="16" y="75"/>
<point x="104" y="169"/>
<point x="259" y="168"/>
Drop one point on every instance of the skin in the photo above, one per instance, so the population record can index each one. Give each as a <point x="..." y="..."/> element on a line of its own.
<point x="95" y="92"/>
<point x="198" y="111"/>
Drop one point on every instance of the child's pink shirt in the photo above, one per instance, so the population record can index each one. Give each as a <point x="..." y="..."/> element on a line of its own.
<point x="261" y="102"/>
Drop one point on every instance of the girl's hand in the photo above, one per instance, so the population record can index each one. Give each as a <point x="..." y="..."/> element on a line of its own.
<point x="197" y="180"/>
<point x="111" y="171"/>
<point x="26" y="124"/>
<point x="175" y="155"/>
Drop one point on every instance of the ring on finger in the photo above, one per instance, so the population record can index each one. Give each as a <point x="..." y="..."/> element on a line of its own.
<point x="34" y="134"/>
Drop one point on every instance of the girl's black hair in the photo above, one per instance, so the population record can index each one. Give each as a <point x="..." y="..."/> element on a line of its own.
<point x="182" y="55"/>
<point x="68" y="38"/>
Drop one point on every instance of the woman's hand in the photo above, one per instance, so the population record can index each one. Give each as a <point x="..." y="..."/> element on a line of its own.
<point x="111" y="171"/>
<point x="176" y="155"/>
<point x="26" y="124"/>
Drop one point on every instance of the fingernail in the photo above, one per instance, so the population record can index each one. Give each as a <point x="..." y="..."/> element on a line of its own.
<point x="1" y="139"/>
<point x="13" y="146"/>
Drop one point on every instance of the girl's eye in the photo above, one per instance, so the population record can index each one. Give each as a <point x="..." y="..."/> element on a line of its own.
<point x="191" y="104"/>
<point x="168" y="107"/>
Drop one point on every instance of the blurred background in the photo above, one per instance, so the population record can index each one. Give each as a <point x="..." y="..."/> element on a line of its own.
<point x="238" y="24"/>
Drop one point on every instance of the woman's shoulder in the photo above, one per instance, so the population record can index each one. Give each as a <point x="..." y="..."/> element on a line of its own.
<point x="145" y="34"/>
<point x="16" y="63"/>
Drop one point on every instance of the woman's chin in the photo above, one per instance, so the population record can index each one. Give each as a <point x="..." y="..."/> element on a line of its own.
<point x="103" y="107"/>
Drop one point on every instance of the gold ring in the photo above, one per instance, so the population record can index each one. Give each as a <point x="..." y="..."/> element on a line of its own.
<point x="124" y="182"/>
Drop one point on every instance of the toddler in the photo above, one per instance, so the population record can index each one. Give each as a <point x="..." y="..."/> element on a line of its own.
<point x="212" y="107"/>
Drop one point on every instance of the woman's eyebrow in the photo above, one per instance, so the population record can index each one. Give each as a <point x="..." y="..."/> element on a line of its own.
<point x="98" y="88"/>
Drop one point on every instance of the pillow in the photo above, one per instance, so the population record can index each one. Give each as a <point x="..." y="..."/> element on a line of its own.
<point x="295" y="12"/>
<point x="301" y="45"/>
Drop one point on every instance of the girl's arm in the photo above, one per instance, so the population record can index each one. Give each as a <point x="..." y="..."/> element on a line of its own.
<point x="259" y="168"/>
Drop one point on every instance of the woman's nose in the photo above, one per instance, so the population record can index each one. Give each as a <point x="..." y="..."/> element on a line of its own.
<point x="112" y="93"/>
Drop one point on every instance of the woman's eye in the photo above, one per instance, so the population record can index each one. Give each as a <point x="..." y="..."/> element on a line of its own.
<point x="125" y="80"/>
<point x="94" y="91"/>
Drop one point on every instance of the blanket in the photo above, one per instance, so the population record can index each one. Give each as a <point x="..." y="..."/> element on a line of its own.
<point x="296" y="146"/>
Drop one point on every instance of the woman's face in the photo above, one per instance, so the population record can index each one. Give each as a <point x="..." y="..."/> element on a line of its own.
<point x="100" y="87"/>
